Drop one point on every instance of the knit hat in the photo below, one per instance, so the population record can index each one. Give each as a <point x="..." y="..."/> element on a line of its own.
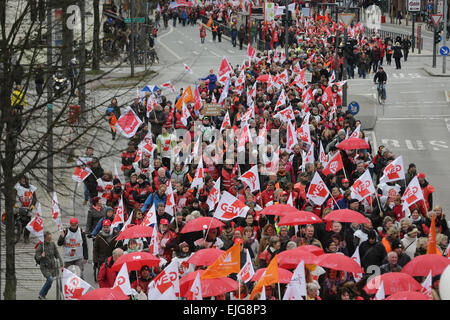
<point x="372" y="234"/>
<point x="142" y="176"/>
<point x="109" y="209"/>
<point x="396" y="244"/>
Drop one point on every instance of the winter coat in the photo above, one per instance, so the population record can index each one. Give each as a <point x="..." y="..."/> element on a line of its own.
<point x="93" y="217"/>
<point x="410" y="245"/>
<point x="371" y="254"/>
<point x="103" y="246"/>
<point x="397" y="52"/>
<point x="48" y="264"/>
<point x="227" y="238"/>
<point x="106" y="277"/>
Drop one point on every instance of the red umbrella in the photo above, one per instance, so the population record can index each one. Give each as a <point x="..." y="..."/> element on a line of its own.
<point x="210" y="287"/>
<point x="135" y="232"/>
<point x="135" y="260"/>
<point x="278" y="210"/>
<point x="205" y="257"/>
<point x="421" y="265"/>
<point x="393" y="282"/>
<point x="201" y="223"/>
<point x="339" y="261"/>
<point x="346" y="215"/>
<point x="353" y="143"/>
<point x="289" y="259"/>
<point x="315" y="250"/>
<point x="300" y="217"/>
<point x="283" y="274"/>
<point x="263" y="78"/>
<point x="105" y="294"/>
<point x="408" y="295"/>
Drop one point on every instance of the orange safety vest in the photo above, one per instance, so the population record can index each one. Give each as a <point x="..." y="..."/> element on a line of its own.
<point x="386" y="244"/>
<point x="112" y="122"/>
<point x="214" y="29"/>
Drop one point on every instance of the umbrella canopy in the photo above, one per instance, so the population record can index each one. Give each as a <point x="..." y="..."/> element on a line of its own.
<point x="289" y="259"/>
<point x="278" y="210"/>
<point x="263" y="78"/>
<point x="205" y="257"/>
<point x="135" y="232"/>
<point x="300" y="217"/>
<point x="210" y="287"/>
<point x="408" y="295"/>
<point x="283" y="274"/>
<point x="201" y="223"/>
<point x="421" y="265"/>
<point x="352" y="144"/>
<point x="135" y="260"/>
<point x="315" y="250"/>
<point x="346" y="215"/>
<point x="105" y="294"/>
<point x="393" y="282"/>
<point x="339" y="261"/>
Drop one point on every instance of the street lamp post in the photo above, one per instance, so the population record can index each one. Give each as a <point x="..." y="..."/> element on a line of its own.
<point x="132" y="38"/>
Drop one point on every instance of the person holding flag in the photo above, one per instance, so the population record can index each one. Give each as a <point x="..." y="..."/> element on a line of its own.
<point x="45" y="256"/>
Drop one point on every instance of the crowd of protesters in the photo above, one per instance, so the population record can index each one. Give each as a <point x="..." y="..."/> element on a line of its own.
<point x="391" y="239"/>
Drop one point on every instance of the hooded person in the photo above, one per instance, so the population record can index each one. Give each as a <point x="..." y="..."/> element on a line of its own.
<point x="371" y="251"/>
<point x="227" y="235"/>
<point x="182" y="254"/>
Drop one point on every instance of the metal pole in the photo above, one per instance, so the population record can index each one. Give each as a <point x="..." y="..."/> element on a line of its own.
<point x="132" y="38"/>
<point x="419" y="39"/>
<point x="434" y="46"/>
<point x="444" y="36"/>
<point x="286" y="28"/>
<point x="413" y="42"/>
<point x="49" y="100"/>
<point x="82" y="90"/>
<point x="344" y="71"/>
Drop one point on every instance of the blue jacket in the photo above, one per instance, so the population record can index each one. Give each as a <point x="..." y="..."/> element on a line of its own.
<point x="212" y="81"/>
<point x="99" y="226"/>
<point x="343" y="204"/>
<point x="153" y="198"/>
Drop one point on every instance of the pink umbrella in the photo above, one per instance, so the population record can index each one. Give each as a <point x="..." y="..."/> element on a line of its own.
<point x="346" y="215"/>
<point x="278" y="210"/>
<point x="205" y="257"/>
<point x="311" y="248"/>
<point x="352" y="144"/>
<point x="135" y="260"/>
<point x="105" y="294"/>
<point x="201" y="223"/>
<point x="393" y="282"/>
<point x="135" y="232"/>
<point x="210" y="287"/>
<point x="408" y="295"/>
<point x="300" y="217"/>
<point x="283" y="274"/>
<point x="339" y="261"/>
<point x="289" y="259"/>
<point x="421" y="265"/>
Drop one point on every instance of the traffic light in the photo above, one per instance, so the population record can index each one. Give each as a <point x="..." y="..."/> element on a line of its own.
<point x="437" y="37"/>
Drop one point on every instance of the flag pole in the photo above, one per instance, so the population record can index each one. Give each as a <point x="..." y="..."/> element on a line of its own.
<point x="279" y="291"/>
<point x="379" y="206"/>
<point x="335" y="202"/>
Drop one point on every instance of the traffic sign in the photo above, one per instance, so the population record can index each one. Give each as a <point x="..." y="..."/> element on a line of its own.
<point x="346" y="18"/>
<point x="436" y="18"/>
<point x="444" y="51"/>
<point x="429" y="6"/>
<point x="135" y="20"/>
<point x="353" y="108"/>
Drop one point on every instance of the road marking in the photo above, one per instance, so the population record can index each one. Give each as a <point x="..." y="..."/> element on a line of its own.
<point x="230" y="51"/>
<point x="447" y="123"/>
<point x="165" y="46"/>
<point x="195" y="52"/>
<point x="212" y="52"/>
<point x="438" y="144"/>
<point x="416" y="145"/>
<point x="180" y="42"/>
<point x="394" y="143"/>
<point x="410" y="146"/>
<point x="436" y="117"/>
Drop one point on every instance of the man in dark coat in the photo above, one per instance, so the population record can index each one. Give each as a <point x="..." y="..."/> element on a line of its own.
<point x="157" y="118"/>
<point x="371" y="251"/>
<point x="104" y="244"/>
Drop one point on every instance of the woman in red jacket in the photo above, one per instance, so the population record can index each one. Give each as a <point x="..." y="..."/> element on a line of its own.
<point x="107" y="277"/>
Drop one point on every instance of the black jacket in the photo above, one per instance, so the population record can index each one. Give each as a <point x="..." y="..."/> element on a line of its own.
<point x="381" y="76"/>
<point x="371" y="254"/>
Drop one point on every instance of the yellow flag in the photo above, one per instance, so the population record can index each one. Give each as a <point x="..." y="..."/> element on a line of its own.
<point x="228" y="262"/>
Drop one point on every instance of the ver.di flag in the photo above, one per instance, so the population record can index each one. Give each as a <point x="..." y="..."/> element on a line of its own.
<point x="150" y="217"/>
<point x="80" y="174"/>
<point x="334" y="165"/>
<point x="36" y="225"/>
<point x="119" y="217"/>
<point x="128" y="123"/>
<point x="123" y="280"/>
<point x="298" y="279"/>
<point x="251" y="178"/>
<point x="195" y="292"/>
<point x="214" y="195"/>
<point x="394" y="171"/>
<point x="73" y="286"/>
<point x="412" y="194"/>
<point x="363" y="187"/>
<point x="355" y="257"/>
<point x="247" y="272"/>
<point x="56" y="212"/>
<point x="170" y="200"/>
<point x="166" y="286"/>
<point x="318" y="191"/>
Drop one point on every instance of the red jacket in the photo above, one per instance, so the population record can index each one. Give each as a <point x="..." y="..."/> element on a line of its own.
<point x="227" y="181"/>
<point x="106" y="277"/>
<point x="127" y="160"/>
<point x="267" y="196"/>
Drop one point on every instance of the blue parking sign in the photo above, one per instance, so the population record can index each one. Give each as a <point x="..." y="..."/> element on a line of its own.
<point x="429" y="6"/>
<point x="353" y="108"/>
<point x="444" y="51"/>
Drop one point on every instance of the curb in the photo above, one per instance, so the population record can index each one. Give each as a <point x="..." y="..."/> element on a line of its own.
<point x="433" y="73"/>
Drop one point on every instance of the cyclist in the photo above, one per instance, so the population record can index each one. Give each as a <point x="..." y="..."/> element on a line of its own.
<point x="381" y="76"/>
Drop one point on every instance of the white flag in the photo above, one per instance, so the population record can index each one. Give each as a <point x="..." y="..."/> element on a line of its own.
<point x="427" y="285"/>
<point x="123" y="280"/>
<point x="317" y="191"/>
<point x="298" y="279"/>
<point x="363" y="187"/>
<point x="394" y="171"/>
<point x="226" y="121"/>
<point x="73" y="287"/>
<point x="355" y="257"/>
<point x="230" y="207"/>
<point x="128" y="123"/>
<point x="413" y="193"/>
<point x="251" y="178"/>
<point x="310" y="155"/>
<point x="150" y="217"/>
<point x="130" y="216"/>
<point x="198" y="179"/>
<point x="56" y="213"/>
<point x="322" y="155"/>
<point x="263" y="293"/>
<point x="119" y="217"/>
<point x="166" y="286"/>
<point x="291" y="137"/>
<point x="355" y="134"/>
<point x="247" y="272"/>
<point x="36" y="225"/>
<point x="170" y="200"/>
<point x="186" y="67"/>
<point x="195" y="292"/>
<point x="292" y="293"/>
<point x="214" y="195"/>
<point x="380" y="295"/>
<point x="154" y="245"/>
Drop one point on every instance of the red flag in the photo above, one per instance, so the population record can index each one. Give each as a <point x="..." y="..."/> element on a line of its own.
<point x="318" y="191"/>
<point x="128" y="123"/>
<point x="80" y="174"/>
<point x="363" y="187"/>
<point x="334" y="165"/>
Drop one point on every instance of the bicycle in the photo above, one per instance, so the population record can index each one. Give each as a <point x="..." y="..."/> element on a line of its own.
<point x="381" y="96"/>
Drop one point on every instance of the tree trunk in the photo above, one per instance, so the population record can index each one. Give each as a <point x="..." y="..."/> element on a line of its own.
<point x="96" y="38"/>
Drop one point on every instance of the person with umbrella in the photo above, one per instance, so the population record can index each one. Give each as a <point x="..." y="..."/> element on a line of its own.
<point x="107" y="277"/>
<point x="167" y="240"/>
<point x="145" y="277"/>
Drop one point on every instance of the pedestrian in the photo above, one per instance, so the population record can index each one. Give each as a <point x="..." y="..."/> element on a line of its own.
<point x="214" y="31"/>
<point x="113" y="113"/>
<point x="72" y="74"/>
<point x="174" y="17"/>
<point x="39" y="80"/>
<point x="219" y="32"/>
<point x="202" y="34"/>
<point x="212" y="79"/>
<point x="17" y="73"/>
<point x="104" y="244"/>
<point x="45" y="255"/>
<point x="241" y="36"/>
<point x="397" y="55"/>
<point x="389" y="51"/>
<point x="406" y="45"/>
<point x="75" y="249"/>
<point x="234" y="33"/>
<point x="107" y="277"/>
